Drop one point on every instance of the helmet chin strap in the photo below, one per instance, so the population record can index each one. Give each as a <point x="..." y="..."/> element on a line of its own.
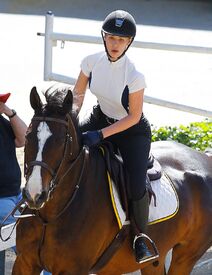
<point x="108" y="55"/>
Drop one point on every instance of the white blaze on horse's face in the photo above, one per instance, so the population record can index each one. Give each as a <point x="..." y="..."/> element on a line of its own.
<point x="34" y="184"/>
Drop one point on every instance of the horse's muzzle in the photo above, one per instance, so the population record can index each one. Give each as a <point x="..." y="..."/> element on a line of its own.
<point x="37" y="202"/>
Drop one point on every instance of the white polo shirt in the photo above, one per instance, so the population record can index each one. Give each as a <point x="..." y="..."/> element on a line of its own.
<point x="112" y="82"/>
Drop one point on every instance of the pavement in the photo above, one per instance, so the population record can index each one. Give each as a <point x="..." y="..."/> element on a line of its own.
<point x="180" y="77"/>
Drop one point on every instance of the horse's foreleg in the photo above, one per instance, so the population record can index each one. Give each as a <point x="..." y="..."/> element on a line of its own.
<point x="184" y="258"/>
<point x="155" y="269"/>
<point x="22" y="268"/>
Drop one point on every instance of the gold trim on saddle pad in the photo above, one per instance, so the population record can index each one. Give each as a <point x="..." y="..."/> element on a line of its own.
<point x="167" y="201"/>
<point x="120" y="215"/>
<point x="170" y="194"/>
<point x="115" y="199"/>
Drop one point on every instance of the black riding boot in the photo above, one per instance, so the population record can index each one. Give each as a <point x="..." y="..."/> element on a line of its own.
<point x="141" y="213"/>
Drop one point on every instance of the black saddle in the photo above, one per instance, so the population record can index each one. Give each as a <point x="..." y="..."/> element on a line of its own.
<point x="154" y="168"/>
<point x="115" y="167"/>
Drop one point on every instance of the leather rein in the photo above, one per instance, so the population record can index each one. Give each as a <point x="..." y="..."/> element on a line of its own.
<point x="22" y="205"/>
<point x="55" y="173"/>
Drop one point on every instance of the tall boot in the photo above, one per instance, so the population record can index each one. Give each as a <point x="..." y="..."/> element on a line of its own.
<point x="141" y="213"/>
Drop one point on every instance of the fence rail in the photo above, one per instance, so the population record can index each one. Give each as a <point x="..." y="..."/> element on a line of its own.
<point x="4" y="245"/>
<point x="5" y="232"/>
<point x="52" y="37"/>
<point x="136" y="44"/>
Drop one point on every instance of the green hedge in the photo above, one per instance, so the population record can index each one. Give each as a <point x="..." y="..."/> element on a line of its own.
<point x="197" y="135"/>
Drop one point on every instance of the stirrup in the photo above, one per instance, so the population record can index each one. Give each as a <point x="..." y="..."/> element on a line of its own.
<point x="156" y="253"/>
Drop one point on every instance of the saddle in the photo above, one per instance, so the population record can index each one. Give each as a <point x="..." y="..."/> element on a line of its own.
<point x="154" y="168"/>
<point x="118" y="173"/>
<point x="115" y="168"/>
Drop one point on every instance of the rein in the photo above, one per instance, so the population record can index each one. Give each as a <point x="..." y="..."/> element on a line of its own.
<point x="51" y="171"/>
<point x="12" y="213"/>
<point x="76" y="188"/>
<point x="55" y="174"/>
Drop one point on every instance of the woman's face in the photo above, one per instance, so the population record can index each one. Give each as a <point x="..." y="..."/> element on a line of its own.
<point x="116" y="45"/>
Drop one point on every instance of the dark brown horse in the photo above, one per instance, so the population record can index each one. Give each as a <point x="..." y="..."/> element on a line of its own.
<point x="73" y="221"/>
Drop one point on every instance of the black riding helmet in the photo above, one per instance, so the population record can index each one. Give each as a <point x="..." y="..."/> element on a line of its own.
<point x="119" y="23"/>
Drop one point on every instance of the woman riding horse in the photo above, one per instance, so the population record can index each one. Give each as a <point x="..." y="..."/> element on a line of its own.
<point x="72" y="222"/>
<point x="118" y="117"/>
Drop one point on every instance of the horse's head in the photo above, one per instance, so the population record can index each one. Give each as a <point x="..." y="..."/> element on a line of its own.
<point x="51" y="143"/>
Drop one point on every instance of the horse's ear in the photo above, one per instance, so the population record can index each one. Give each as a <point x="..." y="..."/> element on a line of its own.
<point x="68" y="100"/>
<point x="35" y="100"/>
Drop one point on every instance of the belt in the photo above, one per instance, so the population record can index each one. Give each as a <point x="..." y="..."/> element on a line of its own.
<point x="110" y="120"/>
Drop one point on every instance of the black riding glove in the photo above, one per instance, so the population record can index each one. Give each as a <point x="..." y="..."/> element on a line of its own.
<point x="91" y="138"/>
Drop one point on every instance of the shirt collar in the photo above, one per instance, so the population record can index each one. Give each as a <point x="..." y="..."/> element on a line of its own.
<point x="117" y="63"/>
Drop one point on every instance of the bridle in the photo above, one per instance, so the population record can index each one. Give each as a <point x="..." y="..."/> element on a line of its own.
<point x="54" y="175"/>
<point x="66" y="155"/>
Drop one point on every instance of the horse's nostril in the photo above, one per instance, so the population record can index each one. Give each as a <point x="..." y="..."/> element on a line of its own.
<point x="25" y="194"/>
<point x="37" y="201"/>
<point x="41" y="198"/>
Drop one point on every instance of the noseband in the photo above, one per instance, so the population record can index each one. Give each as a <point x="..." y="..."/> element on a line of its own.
<point x="44" y="165"/>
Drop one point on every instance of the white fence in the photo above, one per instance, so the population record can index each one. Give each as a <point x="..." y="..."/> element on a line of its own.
<point x="52" y="37"/>
<point x="5" y="232"/>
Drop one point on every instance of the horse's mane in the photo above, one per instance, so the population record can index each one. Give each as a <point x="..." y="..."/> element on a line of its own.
<point x="55" y="96"/>
<point x="54" y="106"/>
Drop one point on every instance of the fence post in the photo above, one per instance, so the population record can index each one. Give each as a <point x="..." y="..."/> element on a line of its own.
<point x="48" y="45"/>
<point x="2" y="262"/>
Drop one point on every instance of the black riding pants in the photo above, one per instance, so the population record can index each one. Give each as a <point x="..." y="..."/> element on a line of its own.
<point x="134" y="145"/>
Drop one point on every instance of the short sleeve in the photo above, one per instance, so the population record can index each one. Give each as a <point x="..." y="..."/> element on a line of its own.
<point x="89" y="62"/>
<point x="85" y="66"/>
<point x="137" y="82"/>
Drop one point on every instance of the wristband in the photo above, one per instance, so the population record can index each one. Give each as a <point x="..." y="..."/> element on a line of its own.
<point x="13" y="114"/>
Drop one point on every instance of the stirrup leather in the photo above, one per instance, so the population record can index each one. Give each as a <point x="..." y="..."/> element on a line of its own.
<point x="156" y="253"/>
